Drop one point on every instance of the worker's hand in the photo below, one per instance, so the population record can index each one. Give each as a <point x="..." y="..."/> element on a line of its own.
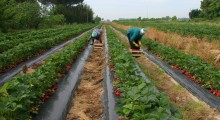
<point x="135" y="44"/>
<point x="140" y="43"/>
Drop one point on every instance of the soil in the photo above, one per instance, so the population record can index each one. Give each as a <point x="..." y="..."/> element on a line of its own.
<point x="33" y="68"/>
<point x="191" y="107"/>
<point x="87" y="104"/>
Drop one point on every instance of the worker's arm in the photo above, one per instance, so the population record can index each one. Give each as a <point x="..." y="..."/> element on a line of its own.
<point x="140" y="43"/>
<point x="135" y="44"/>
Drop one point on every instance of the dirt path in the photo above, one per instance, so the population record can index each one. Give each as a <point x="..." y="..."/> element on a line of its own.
<point x="209" y="51"/>
<point x="191" y="107"/>
<point x="87" y="104"/>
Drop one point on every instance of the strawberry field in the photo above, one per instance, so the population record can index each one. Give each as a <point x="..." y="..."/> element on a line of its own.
<point x="114" y="86"/>
<point x="192" y="66"/>
<point x="202" y="31"/>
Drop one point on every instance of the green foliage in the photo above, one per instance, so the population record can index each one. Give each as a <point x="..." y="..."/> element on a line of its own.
<point x="53" y="20"/>
<point x="81" y="13"/>
<point x="20" y="97"/>
<point x="139" y="18"/>
<point x="210" y="8"/>
<point x="195" y="13"/>
<point x="97" y="19"/>
<point x="29" y="48"/>
<point x="27" y="15"/>
<point x="201" y="31"/>
<point x="138" y="100"/>
<point x="6" y="14"/>
<point x="205" y="74"/>
<point x="174" y="18"/>
<point x="64" y="2"/>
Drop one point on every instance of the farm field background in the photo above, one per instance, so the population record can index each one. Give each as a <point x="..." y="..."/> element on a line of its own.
<point x="50" y="70"/>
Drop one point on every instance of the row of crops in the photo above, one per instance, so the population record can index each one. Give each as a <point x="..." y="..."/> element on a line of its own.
<point x="200" y="31"/>
<point x="136" y="99"/>
<point x="28" y="33"/>
<point x="22" y="96"/>
<point x="16" y="50"/>
<point x="194" y="67"/>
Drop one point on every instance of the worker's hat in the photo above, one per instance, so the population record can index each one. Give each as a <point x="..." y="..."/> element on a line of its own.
<point x="143" y="31"/>
<point x="94" y="34"/>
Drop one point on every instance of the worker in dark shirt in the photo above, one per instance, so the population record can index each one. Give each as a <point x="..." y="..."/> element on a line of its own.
<point x="134" y="36"/>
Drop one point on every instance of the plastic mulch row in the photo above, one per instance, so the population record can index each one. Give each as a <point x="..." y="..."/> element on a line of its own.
<point x="57" y="106"/>
<point x="7" y="76"/>
<point x="183" y="80"/>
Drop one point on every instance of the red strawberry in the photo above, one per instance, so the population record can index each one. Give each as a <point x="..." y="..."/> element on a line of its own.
<point x="119" y="118"/>
<point x="115" y="78"/>
<point x="117" y="92"/>
<point x="218" y="94"/>
<point x="4" y="70"/>
<point x="68" y="66"/>
<point x="215" y="92"/>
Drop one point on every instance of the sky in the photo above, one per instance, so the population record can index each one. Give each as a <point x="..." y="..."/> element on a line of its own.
<point x="115" y="9"/>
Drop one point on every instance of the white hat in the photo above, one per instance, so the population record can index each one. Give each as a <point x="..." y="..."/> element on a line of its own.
<point x="143" y="31"/>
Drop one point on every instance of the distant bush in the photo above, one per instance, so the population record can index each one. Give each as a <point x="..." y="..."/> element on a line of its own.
<point x="53" y="20"/>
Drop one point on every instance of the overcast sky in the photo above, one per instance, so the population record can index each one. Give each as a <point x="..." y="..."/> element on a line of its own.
<point x="114" y="9"/>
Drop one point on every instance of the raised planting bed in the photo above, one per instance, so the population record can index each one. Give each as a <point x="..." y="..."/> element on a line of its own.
<point x="136" y="98"/>
<point x="4" y="77"/>
<point x="22" y="96"/>
<point x="199" y="68"/>
<point x="201" y="31"/>
<point x="22" y="52"/>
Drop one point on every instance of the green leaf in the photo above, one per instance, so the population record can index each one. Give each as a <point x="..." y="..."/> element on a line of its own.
<point x="4" y="88"/>
<point x="129" y="106"/>
<point x="2" y="118"/>
<point x="126" y="111"/>
<point x="141" y="86"/>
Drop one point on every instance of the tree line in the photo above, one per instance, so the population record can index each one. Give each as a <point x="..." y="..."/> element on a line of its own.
<point x="209" y="9"/>
<point x="33" y="14"/>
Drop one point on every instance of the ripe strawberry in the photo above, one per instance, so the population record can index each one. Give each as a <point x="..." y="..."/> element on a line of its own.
<point x="211" y="90"/>
<point x="218" y="94"/>
<point x="119" y="118"/>
<point x="117" y="92"/>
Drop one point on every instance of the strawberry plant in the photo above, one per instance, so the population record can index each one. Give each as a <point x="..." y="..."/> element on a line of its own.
<point x="209" y="32"/>
<point x="192" y="66"/>
<point x="136" y="99"/>
<point x="22" y="96"/>
<point x="27" y="50"/>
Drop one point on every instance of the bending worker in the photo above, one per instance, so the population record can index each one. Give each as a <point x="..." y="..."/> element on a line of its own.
<point x="134" y="36"/>
<point x="96" y="34"/>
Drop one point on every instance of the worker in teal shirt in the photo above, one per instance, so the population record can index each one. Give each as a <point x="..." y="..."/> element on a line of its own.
<point x="134" y="36"/>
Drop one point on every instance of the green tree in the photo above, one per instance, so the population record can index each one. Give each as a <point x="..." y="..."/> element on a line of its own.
<point x="28" y="15"/>
<point x="210" y="8"/>
<point x="97" y="19"/>
<point x="6" y="14"/>
<point x="64" y="2"/>
<point x="53" y="20"/>
<point x="139" y="18"/>
<point x="81" y="13"/>
<point x="174" y="18"/>
<point x="195" y="13"/>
